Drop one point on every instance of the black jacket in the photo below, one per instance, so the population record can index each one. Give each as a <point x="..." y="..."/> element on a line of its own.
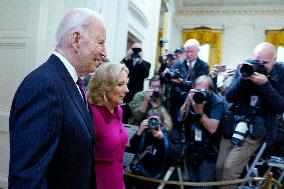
<point x="271" y="96"/>
<point x="137" y="74"/>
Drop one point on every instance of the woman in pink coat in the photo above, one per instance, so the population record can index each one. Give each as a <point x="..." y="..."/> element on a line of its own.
<point x="107" y="89"/>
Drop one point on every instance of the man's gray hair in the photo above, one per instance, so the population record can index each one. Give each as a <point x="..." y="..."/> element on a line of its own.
<point x="75" y="19"/>
<point x="192" y="42"/>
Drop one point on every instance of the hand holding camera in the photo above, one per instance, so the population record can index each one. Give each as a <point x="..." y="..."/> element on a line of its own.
<point x="142" y="127"/>
<point x="258" y="79"/>
<point x="134" y="53"/>
<point x="148" y="96"/>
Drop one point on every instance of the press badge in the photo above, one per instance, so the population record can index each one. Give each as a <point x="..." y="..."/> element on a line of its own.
<point x="197" y="134"/>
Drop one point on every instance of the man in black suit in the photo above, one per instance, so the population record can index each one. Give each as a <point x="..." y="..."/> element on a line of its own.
<point x="138" y="70"/>
<point x="51" y="127"/>
<point x="189" y="70"/>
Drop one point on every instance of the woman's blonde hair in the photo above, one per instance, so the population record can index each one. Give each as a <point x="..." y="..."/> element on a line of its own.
<point x="104" y="80"/>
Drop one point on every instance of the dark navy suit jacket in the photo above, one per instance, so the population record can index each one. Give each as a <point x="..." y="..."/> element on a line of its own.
<point x="51" y="132"/>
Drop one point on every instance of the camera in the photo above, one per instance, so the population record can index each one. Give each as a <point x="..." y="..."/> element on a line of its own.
<point x="201" y="96"/>
<point x="239" y="133"/>
<point x="162" y="42"/>
<point x="136" y="52"/>
<point x="153" y="123"/>
<point x="249" y="66"/>
<point x="155" y="96"/>
<point x="175" y="74"/>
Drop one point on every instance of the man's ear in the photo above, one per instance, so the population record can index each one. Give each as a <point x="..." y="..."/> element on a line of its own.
<point x="76" y="41"/>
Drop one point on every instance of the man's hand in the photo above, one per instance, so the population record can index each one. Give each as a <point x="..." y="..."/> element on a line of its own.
<point x="189" y="100"/>
<point x="128" y="54"/>
<point x="148" y="96"/>
<point x="258" y="78"/>
<point x="156" y="103"/>
<point x="176" y="81"/>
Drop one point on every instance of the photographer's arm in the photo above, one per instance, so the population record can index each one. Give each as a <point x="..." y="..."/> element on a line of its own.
<point x="138" y="105"/>
<point x="183" y="111"/>
<point x="237" y="88"/>
<point x="273" y="96"/>
<point x="210" y="123"/>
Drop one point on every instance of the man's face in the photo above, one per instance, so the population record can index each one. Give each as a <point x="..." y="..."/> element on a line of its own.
<point x="263" y="56"/>
<point x="191" y="53"/>
<point x="156" y="85"/>
<point x="201" y="85"/>
<point x="92" y="48"/>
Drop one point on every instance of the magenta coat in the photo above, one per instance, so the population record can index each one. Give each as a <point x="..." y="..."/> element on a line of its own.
<point x="110" y="143"/>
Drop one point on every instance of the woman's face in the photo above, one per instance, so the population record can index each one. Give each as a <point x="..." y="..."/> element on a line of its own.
<point x="117" y="94"/>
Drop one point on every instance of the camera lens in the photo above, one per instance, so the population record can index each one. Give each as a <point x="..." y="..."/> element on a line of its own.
<point x="199" y="97"/>
<point x="247" y="70"/>
<point x="153" y="123"/>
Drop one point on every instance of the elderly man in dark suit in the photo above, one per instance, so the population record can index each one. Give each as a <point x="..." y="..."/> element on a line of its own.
<point x="188" y="70"/>
<point x="51" y="129"/>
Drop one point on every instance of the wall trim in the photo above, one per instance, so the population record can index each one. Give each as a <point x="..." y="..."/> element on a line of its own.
<point x="231" y="10"/>
<point x="3" y="181"/>
<point x="137" y="12"/>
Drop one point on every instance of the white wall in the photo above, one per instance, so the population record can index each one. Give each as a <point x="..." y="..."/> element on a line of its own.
<point x="241" y="32"/>
<point x="18" y="41"/>
<point x="27" y="39"/>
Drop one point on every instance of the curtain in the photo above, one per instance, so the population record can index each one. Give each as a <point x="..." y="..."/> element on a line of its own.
<point x="275" y="37"/>
<point x="207" y="36"/>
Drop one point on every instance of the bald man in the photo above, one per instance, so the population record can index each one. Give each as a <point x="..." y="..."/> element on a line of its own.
<point x="51" y="127"/>
<point x="259" y="98"/>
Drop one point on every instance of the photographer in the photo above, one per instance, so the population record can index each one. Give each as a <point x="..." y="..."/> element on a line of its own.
<point x="145" y="100"/>
<point x="183" y="74"/>
<point x="138" y="70"/>
<point x="151" y="145"/>
<point x="257" y="92"/>
<point x="201" y="114"/>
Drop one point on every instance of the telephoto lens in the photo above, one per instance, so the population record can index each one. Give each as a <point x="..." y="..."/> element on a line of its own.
<point x="153" y="123"/>
<point x="239" y="133"/>
<point x="201" y="96"/>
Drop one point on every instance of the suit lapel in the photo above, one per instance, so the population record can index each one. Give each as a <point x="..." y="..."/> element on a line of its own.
<point x="73" y="91"/>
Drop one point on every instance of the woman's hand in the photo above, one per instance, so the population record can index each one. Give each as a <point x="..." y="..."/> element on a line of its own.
<point x="158" y="133"/>
<point x="142" y="127"/>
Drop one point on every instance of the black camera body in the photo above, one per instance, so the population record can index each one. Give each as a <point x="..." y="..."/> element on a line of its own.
<point x="175" y="74"/>
<point x="201" y="96"/>
<point x="153" y="123"/>
<point x="155" y="96"/>
<point x="136" y="52"/>
<point x="250" y="66"/>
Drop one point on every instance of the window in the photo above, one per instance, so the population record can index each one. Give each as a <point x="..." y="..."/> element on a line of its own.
<point x="280" y="54"/>
<point x="204" y="52"/>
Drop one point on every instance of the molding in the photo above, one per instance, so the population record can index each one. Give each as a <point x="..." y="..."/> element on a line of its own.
<point x="3" y="181"/>
<point x="12" y="45"/>
<point x="137" y="12"/>
<point x="4" y="128"/>
<point x="231" y="10"/>
<point x="135" y="32"/>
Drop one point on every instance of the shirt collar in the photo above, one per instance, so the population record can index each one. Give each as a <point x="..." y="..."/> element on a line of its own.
<point x="192" y="63"/>
<point x="68" y="66"/>
<point x="108" y="115"/>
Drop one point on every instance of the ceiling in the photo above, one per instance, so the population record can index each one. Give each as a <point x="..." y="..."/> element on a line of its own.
<point x="188" y="7"/>
<point x="189" y="3"/>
